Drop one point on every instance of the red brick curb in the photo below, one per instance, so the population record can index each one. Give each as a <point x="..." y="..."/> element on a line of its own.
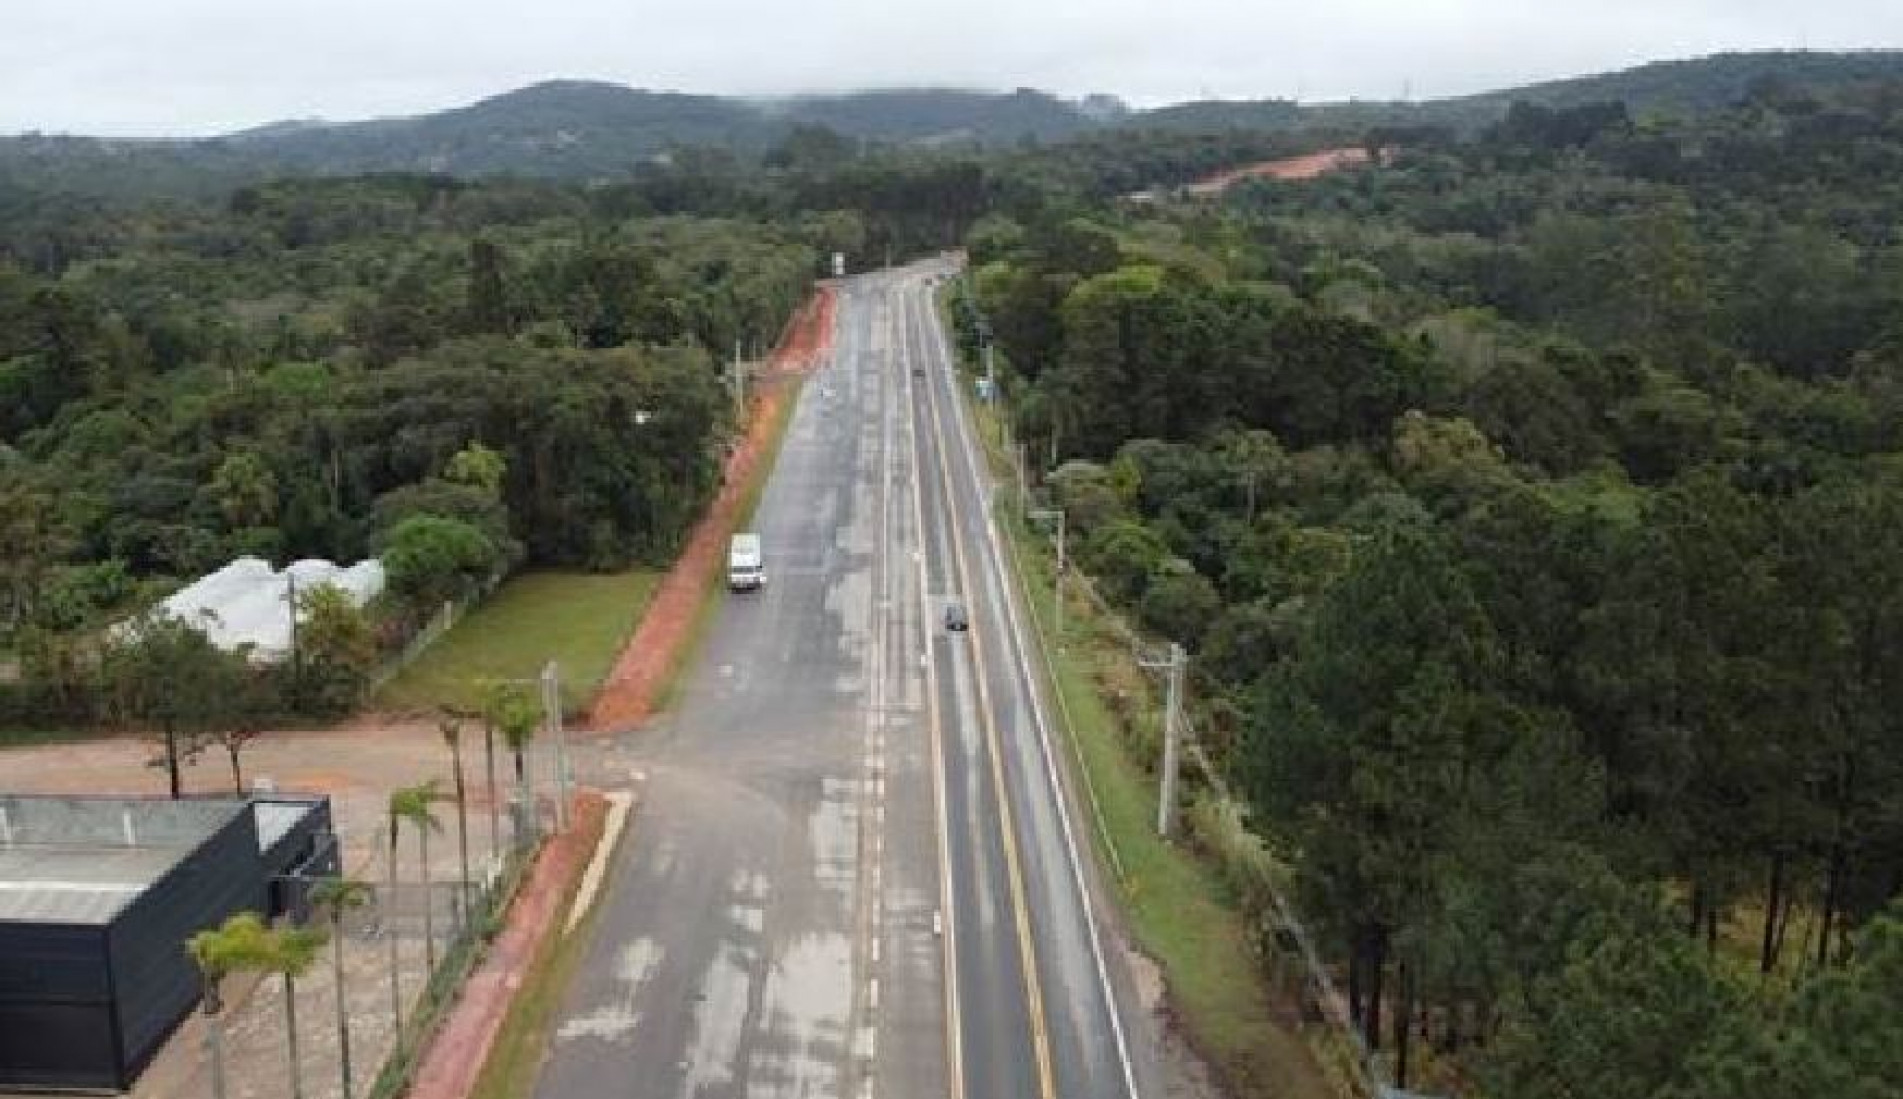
<point x="461" y="1045"/>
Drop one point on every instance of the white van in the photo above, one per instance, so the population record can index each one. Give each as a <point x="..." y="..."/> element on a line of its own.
<point x="746" y="566"/>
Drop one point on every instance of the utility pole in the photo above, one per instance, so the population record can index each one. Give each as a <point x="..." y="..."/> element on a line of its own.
<point x="737" y="381"/>
<point x="552" y="714"/>
<point x="1024" y="492"/>
<point x="1057" y="583"/>
<point x="1172" y="737"/>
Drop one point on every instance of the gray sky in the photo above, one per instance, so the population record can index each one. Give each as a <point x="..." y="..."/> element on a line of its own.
<point x="206" y="66"/>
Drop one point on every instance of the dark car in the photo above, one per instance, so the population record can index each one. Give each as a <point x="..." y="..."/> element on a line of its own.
<point x="955" y="618"/>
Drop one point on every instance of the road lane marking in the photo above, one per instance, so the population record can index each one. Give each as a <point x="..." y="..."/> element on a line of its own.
<point x="1030" y="682"/>
<point x="944" y="920"/>
<point x="1027" y="949"/>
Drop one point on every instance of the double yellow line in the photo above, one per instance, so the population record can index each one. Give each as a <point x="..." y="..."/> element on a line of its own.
<point x="1027" y="948"/>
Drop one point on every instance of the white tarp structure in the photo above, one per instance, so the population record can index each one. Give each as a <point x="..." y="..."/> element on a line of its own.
<point x="249" y="603"/>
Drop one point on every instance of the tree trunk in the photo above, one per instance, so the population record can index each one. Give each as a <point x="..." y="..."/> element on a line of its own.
<point x="1354" y="978"/>
<point x="1697" y="915"/>
<point x="462" y="836"/>
<point x="1403" y="1021"/>
<point x="525" y="810"/>
<point x="429" y="924"/>
<point x="343" y="1004"/>
<point x="388" y="914"/>
<point x="215" y="1053"/>
<point x="1833" y="873"/>
<point x="1839" y="856"/>
<point x="1377" y="966"/>
<point x="237" y="775"/>
<point x="290" y="1035"/>
<point x="171" y="763"/>
<point x="1783" y="925"/>
<point x="489" y="765"/>
<point x="1711" y="929"/>
<point x="1773" y="901"/>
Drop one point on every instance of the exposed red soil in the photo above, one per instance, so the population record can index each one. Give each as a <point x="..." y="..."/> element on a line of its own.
<point x="629" y="693"/>
<point x="1290" y="168"/>
<point x="460" y="1047"/>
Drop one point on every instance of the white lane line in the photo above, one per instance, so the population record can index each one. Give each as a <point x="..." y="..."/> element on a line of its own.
<point x="1044" y="741"/>
<point x="944" y="919"/>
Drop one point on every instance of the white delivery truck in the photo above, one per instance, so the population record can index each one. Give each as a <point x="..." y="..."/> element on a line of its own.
<point x="746" y="567"/>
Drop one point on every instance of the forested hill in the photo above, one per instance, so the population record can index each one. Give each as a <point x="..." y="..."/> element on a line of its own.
<point x="589" y="130"/>
<point x="1692" y="86"/>
<point x="558" y="129"/>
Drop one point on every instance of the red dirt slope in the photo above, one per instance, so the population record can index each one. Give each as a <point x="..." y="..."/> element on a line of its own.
<point x="1292" y="168"/>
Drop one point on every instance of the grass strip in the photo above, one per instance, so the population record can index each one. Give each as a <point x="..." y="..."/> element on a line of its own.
<point x="580" y="620"/>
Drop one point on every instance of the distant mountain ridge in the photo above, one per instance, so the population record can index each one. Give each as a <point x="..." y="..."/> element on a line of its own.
<point x="593" y="129"/>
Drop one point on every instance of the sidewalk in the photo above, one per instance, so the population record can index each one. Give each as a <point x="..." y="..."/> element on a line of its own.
<point x="460" y="1047"/>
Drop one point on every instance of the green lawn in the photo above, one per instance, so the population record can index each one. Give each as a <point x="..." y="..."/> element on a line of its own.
<point x="579" y="620"/>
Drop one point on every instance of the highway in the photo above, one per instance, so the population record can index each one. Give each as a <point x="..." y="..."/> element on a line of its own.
<point x="853" y="870"/>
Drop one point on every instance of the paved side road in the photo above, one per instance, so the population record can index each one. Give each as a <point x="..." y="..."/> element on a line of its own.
<point x="768" y="930"/>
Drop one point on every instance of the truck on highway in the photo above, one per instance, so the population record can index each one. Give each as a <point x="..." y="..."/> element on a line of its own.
<point x="746" y="565"/>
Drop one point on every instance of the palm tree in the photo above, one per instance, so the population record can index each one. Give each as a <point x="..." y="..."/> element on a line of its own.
<point x="290" y="953"/>
<point x="450" y="725"/>
<point x="516" y="719"/>
<point x="335" y="896"/>
<point x="386" y="905"/>
<point x="207" y="949"/>
<point x="218" y="952"/>
<point x="494" y="699"/>
<point x="414" y="804"/>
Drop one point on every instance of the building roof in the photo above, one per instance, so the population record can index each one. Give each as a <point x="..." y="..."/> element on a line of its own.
<point x="80" y="860"/>
<point x="247" y="603"/>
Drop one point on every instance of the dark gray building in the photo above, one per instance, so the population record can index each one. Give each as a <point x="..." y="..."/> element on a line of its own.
<point x="97" y="898"/>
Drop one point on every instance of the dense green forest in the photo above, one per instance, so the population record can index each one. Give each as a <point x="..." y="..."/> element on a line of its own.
<point x="313" y="368"/>
<point x="1531" y="507"/>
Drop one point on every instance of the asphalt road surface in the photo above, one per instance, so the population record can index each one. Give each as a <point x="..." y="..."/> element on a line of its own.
<point x="855" y="871"/>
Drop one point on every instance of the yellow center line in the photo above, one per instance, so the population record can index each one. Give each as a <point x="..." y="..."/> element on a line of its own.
<point x="954" y="1031"/>
<point x="1027" y="949"/>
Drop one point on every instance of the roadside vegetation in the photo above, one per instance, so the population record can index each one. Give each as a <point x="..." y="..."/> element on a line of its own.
<point x="1530" y="509"/>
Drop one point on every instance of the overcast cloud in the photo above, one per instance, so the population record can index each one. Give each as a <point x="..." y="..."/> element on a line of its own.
<point x="206" y="66"/>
